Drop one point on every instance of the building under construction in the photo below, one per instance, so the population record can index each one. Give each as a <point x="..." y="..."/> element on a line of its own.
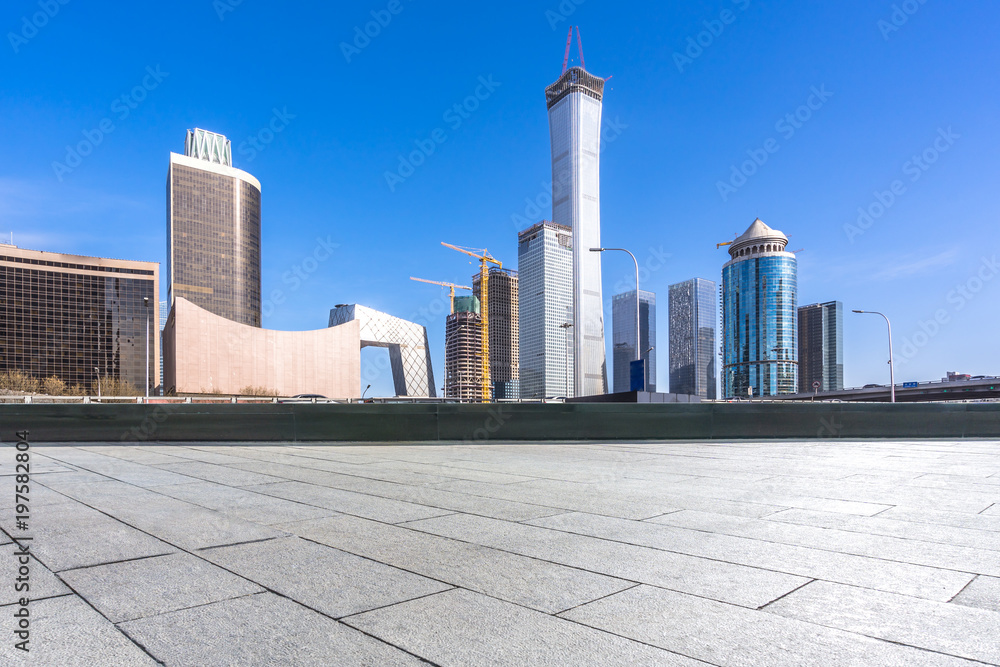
<point x="504" y="327"/>
<point x="463" y="351"/>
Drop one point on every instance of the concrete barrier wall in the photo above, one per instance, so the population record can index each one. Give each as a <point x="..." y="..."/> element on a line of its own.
<point x="498" y="423"/>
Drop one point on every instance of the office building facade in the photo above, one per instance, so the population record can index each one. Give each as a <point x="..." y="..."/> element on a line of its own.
<point x="213" y="230"/>
<point x="759" y="293"/>
<point x="79" y="319"/>
<point x="821" y="347"/>
<point x="545" y="307"/>
<point x="463" y="369"/>
<point x="504" y="331"/>
<point x="693" y="351"/>
<point x="574" y="105"/>
<point x="623" y="338"/>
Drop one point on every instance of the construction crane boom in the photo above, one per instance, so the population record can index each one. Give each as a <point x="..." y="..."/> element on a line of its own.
<point x="453" y="287"/>
<point x="569" y="41"/>
<point x="485" y="259"/>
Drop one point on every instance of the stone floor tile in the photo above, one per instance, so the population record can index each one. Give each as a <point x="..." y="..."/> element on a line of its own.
<point x="983" y="593"/>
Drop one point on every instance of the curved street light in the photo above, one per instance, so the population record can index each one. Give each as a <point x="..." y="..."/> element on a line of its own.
<point x="892" y="376"/>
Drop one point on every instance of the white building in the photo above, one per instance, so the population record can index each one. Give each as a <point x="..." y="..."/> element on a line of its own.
<point x="574" y="103"/>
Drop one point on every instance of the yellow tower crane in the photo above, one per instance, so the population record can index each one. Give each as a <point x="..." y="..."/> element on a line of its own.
<point x="453" y="287"/>
<point x="485" y="259"/>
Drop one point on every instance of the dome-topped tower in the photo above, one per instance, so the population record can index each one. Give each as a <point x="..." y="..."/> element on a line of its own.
<point x="759" y="294"/>
<point x="758" y="239"/>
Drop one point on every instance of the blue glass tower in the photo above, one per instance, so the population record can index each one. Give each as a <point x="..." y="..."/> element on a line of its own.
<point x="759" y="292"/>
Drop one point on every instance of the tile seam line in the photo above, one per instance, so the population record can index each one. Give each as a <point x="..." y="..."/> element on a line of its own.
<point x="848" y="553"/>
<point x="374" y="495"/>
<point x="346" y="619"/>
<point x="895" y="537"/>
<point x="756" y="567"/>
<point x="481" y="546"/>
<point x="975" y="661"/>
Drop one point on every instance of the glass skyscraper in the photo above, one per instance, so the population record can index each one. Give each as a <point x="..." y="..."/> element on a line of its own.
<point x="821" y="347"/>
<point x="213" y="230"/>
<point x="693" y="316"/>
<point x="759" y="292"/>
<point x="545" y="306"/>
<point x="574" y="104"/>
<point x="78" y="318"/>
<point x="623" y="337"/>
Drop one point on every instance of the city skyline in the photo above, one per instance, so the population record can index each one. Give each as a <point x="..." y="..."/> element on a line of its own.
<point x="322" y="183"/>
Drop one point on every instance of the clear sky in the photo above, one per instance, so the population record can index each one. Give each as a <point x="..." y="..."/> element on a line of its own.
<point x="904" y="99"/>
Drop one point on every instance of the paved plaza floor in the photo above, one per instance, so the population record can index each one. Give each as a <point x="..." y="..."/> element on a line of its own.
<point x="748" y="553"/>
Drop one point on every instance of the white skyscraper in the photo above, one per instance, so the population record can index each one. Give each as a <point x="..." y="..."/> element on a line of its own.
<point x="574" y="103"/>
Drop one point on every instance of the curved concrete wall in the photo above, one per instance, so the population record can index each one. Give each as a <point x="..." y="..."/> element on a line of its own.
<point x="204" y="353"/>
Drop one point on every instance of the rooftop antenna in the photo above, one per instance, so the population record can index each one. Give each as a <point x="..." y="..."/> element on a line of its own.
<point x="569" y="40"/>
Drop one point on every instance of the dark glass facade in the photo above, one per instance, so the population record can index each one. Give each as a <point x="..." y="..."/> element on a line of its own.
<point x="821" y="347"/>
<point x="760" y="349"/>
<point x="693" y="351"/>
<point x="623" y="338"/>
<point x="77" y="318"/>
<point x="213" y="239"/>
<point x="504" y="332"/>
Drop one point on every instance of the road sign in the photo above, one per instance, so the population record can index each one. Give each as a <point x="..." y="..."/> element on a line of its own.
<point x="816" y="384"/>
<point x="910" y="385"/>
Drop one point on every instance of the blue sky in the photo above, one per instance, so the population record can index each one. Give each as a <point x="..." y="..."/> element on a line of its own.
<point x="698" y="89"/>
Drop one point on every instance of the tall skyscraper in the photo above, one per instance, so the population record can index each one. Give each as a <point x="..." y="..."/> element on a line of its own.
<point x="759" y="292"/>
<point x="693" y="349"/>
<point x="504" y="328"/>
<point x="213" y="230"/>
<point x="574" y="104"/>
<point x="545" y="306"/>
<point x="463" y="351"/>
<point x="78" y="319"/>
<point x="821" y="346"/>
<point x="623" y="337"/>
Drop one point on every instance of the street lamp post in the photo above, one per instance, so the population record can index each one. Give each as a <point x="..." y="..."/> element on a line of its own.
<point x="638" y="353"/>
<point x="145" y="302"/>
<point x="565" y="326"/>
<point x="892" y="375"/>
